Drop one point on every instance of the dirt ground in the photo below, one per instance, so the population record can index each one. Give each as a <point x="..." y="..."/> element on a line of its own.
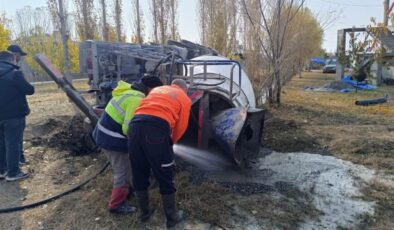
<point x="327" y="144"/>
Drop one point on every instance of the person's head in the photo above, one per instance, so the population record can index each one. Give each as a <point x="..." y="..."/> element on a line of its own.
<point x="7" y="56"/>
<point x="151" y="81"/>
<point x="181" y="83"/>
<point x="146" y="84"/>
<point x="17" y="50"/>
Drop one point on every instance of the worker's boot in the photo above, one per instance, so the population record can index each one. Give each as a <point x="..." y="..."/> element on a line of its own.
<point x="173" y="215"/>
<point x="143" y="203"/>
<point x="117" y="202"/>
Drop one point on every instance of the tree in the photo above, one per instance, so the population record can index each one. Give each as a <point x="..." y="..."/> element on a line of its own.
<point x="165" y="24"/>
<point x="137" y="22"/>
<point x="255" y="63"/>
<point x="60" y="18"/>
<point x="218" y="25"/>
<point x="202" y="9"/>
<point x="173" y="23"/>
<point x="118" y="19"/>
<point x="373" y="41"/>
<point x="305" y="40"/>
<point x="59" y="14"/>
<point x="162" y="21"/>
<point x="153" y="7"/>
<point x="104" y="20"/>
<point x="272" y="32"/>
<point x="86" y="19"/>
<point x="28" y="19"/>
<point x="38" y="31"/>
<point x="5" y="33"/>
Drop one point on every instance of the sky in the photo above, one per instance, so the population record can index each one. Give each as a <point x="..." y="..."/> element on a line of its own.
<point x="345" y="14"/>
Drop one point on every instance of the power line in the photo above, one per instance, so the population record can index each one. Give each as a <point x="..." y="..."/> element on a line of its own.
<point x="346" y="4"/>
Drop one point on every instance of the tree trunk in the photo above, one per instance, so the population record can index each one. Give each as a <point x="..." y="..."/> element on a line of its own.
<point x="300" y="64"/>
<point x="155" y="21"/>
<point x="62" y="17"/>
<point x="270" y="96"/>
<point x="138" y="22"/>
<point x="118" y="13"/>
<point x="104" y="17"/>
<point x="85" y="20"/>
<point x="278" y="89"/>
<point x="173" y="28"/>
<point x="203" y="21"/>
<point x="162" y="26"/>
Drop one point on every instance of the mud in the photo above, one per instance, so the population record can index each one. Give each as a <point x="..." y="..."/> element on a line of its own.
<point x="64" y="133"/>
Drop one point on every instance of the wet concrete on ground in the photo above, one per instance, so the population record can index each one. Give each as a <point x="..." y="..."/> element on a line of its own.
<point x="334" y="185"/>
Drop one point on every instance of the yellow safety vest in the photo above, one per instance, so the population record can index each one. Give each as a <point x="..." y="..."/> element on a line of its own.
<point x="122" y="106"/>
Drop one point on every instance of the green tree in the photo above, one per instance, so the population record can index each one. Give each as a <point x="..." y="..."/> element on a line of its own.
<point x="4" y="33"/>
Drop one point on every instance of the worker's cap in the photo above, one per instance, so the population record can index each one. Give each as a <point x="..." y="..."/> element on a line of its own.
<point x="16" y="49"/>
<point x="151" y="81"/>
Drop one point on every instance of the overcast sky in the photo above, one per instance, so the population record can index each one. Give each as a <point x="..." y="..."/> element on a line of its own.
<point x="347" y="14"/>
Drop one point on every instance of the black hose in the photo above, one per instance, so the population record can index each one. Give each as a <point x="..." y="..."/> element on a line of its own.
<point x="52" y="198"/>
<point x="372" y="101"/>
<point x="165" y="60"/>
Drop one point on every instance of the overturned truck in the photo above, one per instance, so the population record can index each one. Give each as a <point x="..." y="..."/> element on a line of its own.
<point x="224" y="109"/>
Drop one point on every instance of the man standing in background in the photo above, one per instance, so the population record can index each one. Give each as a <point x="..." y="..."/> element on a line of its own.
<point x="19" y="53"/>
<point x="13" y="112"/>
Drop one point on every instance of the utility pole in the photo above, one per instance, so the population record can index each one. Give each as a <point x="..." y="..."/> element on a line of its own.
<point x="62" y="17"/>
<point x="386" y="12"/>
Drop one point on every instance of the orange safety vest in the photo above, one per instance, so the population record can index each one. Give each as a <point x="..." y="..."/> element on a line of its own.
<point x="169" y="103"/>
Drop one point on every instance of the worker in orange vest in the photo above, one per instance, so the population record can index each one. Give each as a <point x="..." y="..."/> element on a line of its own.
<point x="160" y="120"/>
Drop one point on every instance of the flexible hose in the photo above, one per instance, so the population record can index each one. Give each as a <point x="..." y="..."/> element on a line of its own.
<point x="52" y="198"/>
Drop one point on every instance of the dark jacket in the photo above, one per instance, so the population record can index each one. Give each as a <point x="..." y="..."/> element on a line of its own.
<point x="13" y="91"/>
<point x="108" y="142"/>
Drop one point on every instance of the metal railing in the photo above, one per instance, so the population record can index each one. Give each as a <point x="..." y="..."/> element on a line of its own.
<point x="205" y="63"/>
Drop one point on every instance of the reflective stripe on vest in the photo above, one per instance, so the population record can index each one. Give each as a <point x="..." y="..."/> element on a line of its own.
<point x="116" y="104"/>
<point x="168" y="165"/>
<point x="109" y="132"/>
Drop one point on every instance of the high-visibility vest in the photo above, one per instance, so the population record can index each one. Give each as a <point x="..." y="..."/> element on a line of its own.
<point x="123" y="104"/>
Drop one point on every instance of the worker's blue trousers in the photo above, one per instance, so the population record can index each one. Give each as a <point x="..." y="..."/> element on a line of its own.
<point x="150" y="148"/>
<point x="11" y="135"/>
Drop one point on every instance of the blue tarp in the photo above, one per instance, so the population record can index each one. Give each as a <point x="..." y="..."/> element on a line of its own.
<point x="359" y="85"/>
<point x="344" y="86"/>
<point x="318" y="60"/>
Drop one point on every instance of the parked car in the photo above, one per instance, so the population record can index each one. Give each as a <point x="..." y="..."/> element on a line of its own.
<point x="331" y="66"/>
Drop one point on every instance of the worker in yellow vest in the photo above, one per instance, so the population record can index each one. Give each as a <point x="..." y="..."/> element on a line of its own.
<point x="111" y="135"/>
